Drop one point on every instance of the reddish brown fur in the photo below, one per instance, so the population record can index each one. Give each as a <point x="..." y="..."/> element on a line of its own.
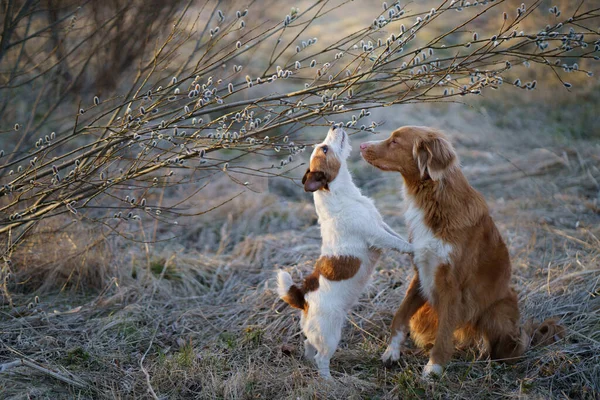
<point x="324" y="168"/>
<point x="544" y="333"/>
<point x="337" y="268"/>
<point x="333" y="268"/>
<point x="472" y="295"/>
<point x="295" y="296"/>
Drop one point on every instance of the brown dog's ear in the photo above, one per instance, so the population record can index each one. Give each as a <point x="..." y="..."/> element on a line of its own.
<point x="434" y="155"/>
<point x="314" y="181"/>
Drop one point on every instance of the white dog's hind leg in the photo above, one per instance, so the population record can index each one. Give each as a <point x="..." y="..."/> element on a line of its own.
<point x="309" y="350"/>
<point x="324" y="335"/>
<point x="322" y="361"/>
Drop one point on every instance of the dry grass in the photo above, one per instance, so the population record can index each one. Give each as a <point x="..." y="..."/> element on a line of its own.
<point x="63" y="255"/>
<point x="199" y="315"/>
<point x="195" y="314"/>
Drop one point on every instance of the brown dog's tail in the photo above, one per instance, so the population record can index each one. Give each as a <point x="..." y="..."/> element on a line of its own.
<point x="290" y="293"/>
<point x="544" y="333"/>
<point x="509" y="347"/>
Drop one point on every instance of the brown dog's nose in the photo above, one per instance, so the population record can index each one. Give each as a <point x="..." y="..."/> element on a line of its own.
<point x="363" y="146"/>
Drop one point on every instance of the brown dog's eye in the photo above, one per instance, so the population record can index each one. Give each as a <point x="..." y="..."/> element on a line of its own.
<point x="325" y="149"/>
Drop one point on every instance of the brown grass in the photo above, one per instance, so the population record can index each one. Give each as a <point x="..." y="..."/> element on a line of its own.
<point x="63" y="255"/>
<point x="201" y="318"/>
<point x="195" y="314"/>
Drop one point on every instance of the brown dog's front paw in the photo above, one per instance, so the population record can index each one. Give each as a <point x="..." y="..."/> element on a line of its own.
<point x="432" y="370"/>
<point x="391" y="356"/>
<point x="389" y="364"/>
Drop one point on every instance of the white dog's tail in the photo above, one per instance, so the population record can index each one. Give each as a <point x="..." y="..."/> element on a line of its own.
<point x="290" y="293"/>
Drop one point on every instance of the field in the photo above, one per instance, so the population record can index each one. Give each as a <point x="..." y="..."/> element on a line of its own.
<point x="188" y="308"/>
<point x="190" y="322"/>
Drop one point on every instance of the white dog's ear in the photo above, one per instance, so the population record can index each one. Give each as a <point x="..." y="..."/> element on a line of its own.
<point x="434" y="155"/>
<point x="314" y="181"/>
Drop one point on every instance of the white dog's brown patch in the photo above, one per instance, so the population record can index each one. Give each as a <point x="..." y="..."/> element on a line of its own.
<point x="337" y="268"/>
<point x="333" y="268"/>
<point x="324" y="168"/>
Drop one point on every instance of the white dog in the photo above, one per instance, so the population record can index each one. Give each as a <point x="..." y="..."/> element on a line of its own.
<point x="353" y="233"/>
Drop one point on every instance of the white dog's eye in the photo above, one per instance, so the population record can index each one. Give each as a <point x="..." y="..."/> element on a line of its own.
<point x="325" y="148"/>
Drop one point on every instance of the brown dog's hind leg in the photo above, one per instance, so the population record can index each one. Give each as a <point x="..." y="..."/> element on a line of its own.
<point x="424" y="326"/>
<point x="446" y="303"/>
<point x="499" y="324"/>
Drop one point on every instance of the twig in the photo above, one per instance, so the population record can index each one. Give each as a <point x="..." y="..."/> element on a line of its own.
<point x="136" y="141"/>
<point x="146" y="374"/>
<point x="31" y="364"/>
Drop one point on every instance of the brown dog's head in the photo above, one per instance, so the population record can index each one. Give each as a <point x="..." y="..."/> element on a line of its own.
<point x="326" y="160"/>
<point x="418" y="153"/>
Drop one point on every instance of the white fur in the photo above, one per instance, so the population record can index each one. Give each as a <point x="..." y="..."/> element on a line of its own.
<point x="309" y="351"/>
<point x="392" y="353"/>
<point x="430" y="251"/>
<point x="284" y="283"/>
<point x="432" y="369"/>
<point x="350" y="226"/>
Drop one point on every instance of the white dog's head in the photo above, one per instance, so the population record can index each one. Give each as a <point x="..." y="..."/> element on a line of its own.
<point x="326" y="160"/>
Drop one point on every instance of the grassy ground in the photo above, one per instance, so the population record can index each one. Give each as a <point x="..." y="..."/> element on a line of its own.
<point x="198" y="317"/>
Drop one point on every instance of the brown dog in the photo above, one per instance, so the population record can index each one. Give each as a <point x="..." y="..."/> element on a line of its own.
<point x="461" y="288"/>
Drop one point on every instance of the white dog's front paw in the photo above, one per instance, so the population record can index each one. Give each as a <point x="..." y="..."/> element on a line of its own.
<point x="432" y="370"/>
<point x="404" y="247"/>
